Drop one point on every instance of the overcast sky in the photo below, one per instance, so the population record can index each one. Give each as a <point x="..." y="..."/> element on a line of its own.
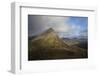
<point x="69" y="26"/>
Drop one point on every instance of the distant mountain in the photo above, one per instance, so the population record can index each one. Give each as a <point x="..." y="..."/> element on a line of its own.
<point x="48" y="45"/>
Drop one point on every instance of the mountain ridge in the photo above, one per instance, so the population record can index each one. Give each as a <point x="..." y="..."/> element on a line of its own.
<point x="48" y="45"/>
<point x="50" y="38"/>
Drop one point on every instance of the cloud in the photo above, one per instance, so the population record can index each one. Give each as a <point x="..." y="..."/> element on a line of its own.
<point x="38" y="24"/>
<point x="59" y="24"/>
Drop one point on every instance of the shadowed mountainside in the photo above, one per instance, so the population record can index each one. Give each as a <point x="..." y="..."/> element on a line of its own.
<point x="48" y="45"/>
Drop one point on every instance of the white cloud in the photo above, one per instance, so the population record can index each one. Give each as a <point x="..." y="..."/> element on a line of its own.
<point x="58" y="23"/>
<point x="39" y="24"/>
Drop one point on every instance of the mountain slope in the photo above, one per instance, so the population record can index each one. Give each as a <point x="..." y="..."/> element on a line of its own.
<point x="49" y="39"/>
<point x="49" y="46"/>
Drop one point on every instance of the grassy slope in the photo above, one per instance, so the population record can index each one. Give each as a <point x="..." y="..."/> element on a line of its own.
<point x="49" y="46"/>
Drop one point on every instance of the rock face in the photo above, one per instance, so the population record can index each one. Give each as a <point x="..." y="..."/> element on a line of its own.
<point x="48" y="45"/>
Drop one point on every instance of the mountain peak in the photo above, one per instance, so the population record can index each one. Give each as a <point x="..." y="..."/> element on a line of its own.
<point x="50" y="30"/>
<point x="49" y="39"/>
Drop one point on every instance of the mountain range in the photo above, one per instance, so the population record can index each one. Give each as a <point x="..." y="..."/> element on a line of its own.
<point x="48" y="46"/>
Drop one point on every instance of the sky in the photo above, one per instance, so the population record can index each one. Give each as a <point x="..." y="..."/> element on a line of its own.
<point x="65" y="26"/>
